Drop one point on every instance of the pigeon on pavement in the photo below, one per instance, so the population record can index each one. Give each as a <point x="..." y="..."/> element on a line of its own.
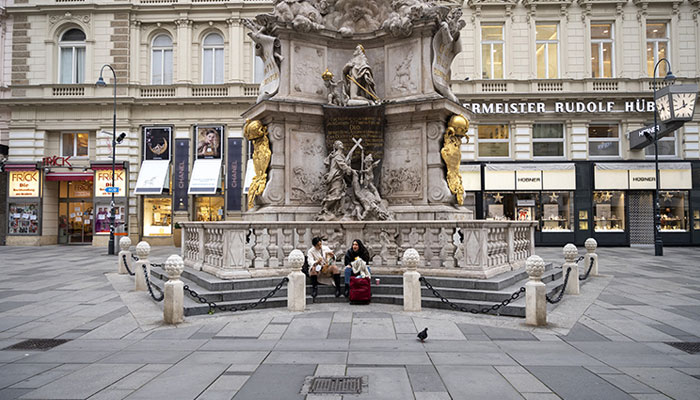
<point x="422" y="335"/>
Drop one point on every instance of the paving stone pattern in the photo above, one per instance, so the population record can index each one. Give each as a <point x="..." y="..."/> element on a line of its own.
<point x="604" y="344"/>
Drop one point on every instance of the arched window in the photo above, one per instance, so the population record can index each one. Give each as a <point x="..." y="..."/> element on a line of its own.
<point x="72" y="57"/>
<point x="213" y="59"/>
<point x="162" y="60"/>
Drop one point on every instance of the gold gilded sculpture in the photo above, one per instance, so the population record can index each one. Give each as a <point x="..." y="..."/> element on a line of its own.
<point x="256" y="132"/>
<point x="452" y="155"/>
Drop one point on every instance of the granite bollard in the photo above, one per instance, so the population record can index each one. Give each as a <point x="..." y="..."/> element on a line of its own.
<point x="411" y="282"/>
<point x="296" y="287"/>
<point x="535" y="292"/>
<point x="591" y="245"/>
<point x="174" y="296"/>
<point x="143" y="249"/>
<point x="570" y="254"/>
<point x="124" y="255"/>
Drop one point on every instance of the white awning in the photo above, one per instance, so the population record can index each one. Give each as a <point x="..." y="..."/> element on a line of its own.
<point x="153" y="176"/>
<point x="206" y="177"/>
<point x="531" y="167"/>
<point x="249" y="175"/>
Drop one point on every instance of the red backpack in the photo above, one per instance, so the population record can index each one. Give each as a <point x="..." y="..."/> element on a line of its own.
<point x="360" y="289"/>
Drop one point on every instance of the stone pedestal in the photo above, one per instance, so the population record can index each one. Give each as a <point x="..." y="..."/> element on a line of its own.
<point x="591" y="246"/>
<point x="570" y="254"/>
<point x="411" y="283"/>
<point x="143" y="249"/>
<point x="124" y="255"/>
<point x="174" y="300"/>
<point x="296" y="287"/>
<point x="535" y="293"/>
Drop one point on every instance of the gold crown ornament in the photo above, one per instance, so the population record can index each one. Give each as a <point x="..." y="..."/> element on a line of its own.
<point x="327" y="75"/>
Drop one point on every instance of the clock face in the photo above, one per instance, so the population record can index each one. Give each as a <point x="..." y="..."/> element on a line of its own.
<point x="663" y="108"/>
<point x="683" y="105"/>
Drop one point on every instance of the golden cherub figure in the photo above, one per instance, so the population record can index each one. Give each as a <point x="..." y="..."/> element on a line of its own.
<point x="256" y="132"/>
<point x="452" y="155"/>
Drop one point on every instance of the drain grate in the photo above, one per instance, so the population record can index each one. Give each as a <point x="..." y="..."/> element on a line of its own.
<point x="336" y="385"/>
<point x="688" y="347"/>
<point x="37" y="344"/>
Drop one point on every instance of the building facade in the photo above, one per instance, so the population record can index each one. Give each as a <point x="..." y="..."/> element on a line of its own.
<point x="554" y="88"/>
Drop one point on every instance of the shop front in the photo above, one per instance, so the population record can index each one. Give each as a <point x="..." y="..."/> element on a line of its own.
<point x="24" y="209"/>
<point x="103" y="197"/>
<point x="153" y="186"/>
<point x="206" y="182"/>
<point x="76" y="209"/>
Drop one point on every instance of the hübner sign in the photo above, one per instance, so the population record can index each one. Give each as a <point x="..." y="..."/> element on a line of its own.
<point x="561" y="107"/>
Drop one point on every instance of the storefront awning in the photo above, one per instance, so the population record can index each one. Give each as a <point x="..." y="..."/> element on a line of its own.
<point x="531" y="167"/>
<point x="153" y="176"/>
<point x="20" y="167"/>
<point x="69" y="176"/>
<point x="206" y="177"/>
<point x="641" y="176"/>
<point x="103" y="165"/>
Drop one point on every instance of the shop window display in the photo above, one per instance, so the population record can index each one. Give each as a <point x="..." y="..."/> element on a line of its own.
<point x="526" y="207"/>
<point x="210" y="208"/>
<point x="557" y="209"/>
<point x="23" y="219"/>
<point x="609" y="211"/>
<point x="499" y="206"/>
<point x="102" y="219"/>
<point x="674" y="210"/>
<point x="157" y="219"/>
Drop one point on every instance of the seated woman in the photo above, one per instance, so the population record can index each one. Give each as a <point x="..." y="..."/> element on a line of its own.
<point x="357" y="250"/>
<point x="320" y="260"/>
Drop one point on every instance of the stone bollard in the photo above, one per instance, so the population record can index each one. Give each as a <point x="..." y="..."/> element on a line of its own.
<point x="174" y="292"/>
<point x="125" y="253"/>
<point x="143" y="249"/>
<point x="535" y="292"/>
<point x="591" y="245"/>
<point x="411" y="283"/>
<point x="296" y="287"/>
<point x="570" y="255"/>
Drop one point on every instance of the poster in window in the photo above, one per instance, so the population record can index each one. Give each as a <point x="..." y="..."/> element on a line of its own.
<point x="156" y="142"/>
<point x="551" y="211"/>
<point x="603" y="211"/>
<point x="209" y="140"/>
<point x="496" y="211"/>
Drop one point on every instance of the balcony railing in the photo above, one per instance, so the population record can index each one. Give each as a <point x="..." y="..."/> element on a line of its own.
<point x="180" y="91"/>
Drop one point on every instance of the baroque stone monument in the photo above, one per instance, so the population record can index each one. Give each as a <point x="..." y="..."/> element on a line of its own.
<point x="356" y="120"/>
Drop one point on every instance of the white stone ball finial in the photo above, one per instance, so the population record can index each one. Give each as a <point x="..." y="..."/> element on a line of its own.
<point x="174" y="267"/>
<point x="296" y="259"/>
<point x="591" y="245"/>
<point x="411" y="258"/>
<point x="570" y="252"/>
<point x="143" y="249"/>
<point x="124" y="243"/>
<point x="534" y="266"/>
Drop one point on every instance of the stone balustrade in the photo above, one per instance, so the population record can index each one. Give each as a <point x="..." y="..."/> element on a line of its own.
<point x="470" y="249"/>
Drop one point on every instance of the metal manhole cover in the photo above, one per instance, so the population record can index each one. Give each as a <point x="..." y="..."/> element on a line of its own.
<point x="37" y="344"/>
<point x="688" y="347"/>
<point x="336" y="385"/>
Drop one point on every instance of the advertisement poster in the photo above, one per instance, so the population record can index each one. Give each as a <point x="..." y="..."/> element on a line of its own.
<point x="233" y="184"/>
<point x="209" y="141"/>
<point x="156" y="142"/>
<point x="24" y="183"/>
<point x="181" y="174"/>
<point x="103" y="180"/>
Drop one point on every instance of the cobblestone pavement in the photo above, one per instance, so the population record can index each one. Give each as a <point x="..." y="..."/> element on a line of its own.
<point x="608" y="343"/>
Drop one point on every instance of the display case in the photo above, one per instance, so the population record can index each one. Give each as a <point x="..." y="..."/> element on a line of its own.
<point x="209" y="208"/>
<point x="674" y="211"/>
<point x="102" y="218"/>
<point x="557" y="210"/>
<point x="696" y="220"/>
<point x="23" y="218"/>
<point x="157" y="216"/>
<point x="499" y="206"/>
<point x="609" y="211"/>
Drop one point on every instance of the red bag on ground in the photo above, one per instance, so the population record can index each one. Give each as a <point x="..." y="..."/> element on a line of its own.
<point x="360" y="289"/>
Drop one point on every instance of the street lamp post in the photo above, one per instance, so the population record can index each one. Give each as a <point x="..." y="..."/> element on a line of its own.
<point x="658" y="243"/>
<point x="101" y="82"/>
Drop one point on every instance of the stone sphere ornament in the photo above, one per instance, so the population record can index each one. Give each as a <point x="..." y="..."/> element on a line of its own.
<point x="174" y="266"/>
<point x="591" y="245"/>
<point x="534" y="266"/>
<point x="296" y="259"/>
<point x="411" y="258"/>
<point x="143" y="249"/>
<point x="124" y="243"/>
<point x="570" y="252"/>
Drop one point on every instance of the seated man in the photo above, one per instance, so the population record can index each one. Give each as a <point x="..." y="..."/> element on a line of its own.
<point x="356" y="250"/>
<point x="321" y="262"/>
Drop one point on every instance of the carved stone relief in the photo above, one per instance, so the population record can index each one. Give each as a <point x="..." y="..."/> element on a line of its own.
<point x="307" y="169"/>
<point x="308" y="64"/>
<point x="403" y="69"/>
<point x="402" y="174"/>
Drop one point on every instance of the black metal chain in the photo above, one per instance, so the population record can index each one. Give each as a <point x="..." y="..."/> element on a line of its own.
<point x="133" y="257"/>
<point x="563" y="288"/>
<point x="150" y="287"/>
<point x="484" y="310"/>
<point x="213" y="306"/>
<point x="590" y="267"/>
<point x="126" y="264"/>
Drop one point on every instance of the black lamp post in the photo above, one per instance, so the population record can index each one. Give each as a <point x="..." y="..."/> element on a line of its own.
<point x="658" y="243"/>
<point x="101" y="82"/>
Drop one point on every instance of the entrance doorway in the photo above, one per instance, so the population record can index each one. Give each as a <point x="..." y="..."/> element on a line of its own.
<point x="75" y="212"/>
<point x="641" y="206"/>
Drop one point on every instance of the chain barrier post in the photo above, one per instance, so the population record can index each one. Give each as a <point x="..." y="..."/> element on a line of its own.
<point x="535" y="292"/>
<point x="570" y="255"/>
<point x="411" y="281"/>
<point x="591" y="256"/>
<point x="124" y="255"/>
<point x="296" y="289"/>
<point x="174" y="302"/>
<point x="143" y="249"/>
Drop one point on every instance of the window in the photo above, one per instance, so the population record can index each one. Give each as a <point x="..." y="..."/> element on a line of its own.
<point x="548" y="140"/>
<point x="493" y="141"/>
<point x="162" y="60"/>
<point x="72" y="57"/>
<point x="603" y="140"/>
<point x="258" y="68"/>
<point x="157" y="216"/>
<point x="602" y="50"/>
<point x="492" y="51"/>
<point x="74" y="144"/>
<point x="673" y="206"/>
<point x="213" y="59"/>
<point x="667" y="146"/>
<point x="609" y="212"/>
<point x="23" y="218"/>
<point x="209" y="208"/>
<point x="557" y="210"/>
<point x="657" y="47"/>
<point x="547" y="50"/>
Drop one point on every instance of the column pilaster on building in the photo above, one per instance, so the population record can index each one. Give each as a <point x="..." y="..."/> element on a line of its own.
<point x="236" y="34"/>
<point x="579" y="141"/>
<point x="184" y="49"/>
<point x="522" y="141"/>
<point x="690" y="147"/>
<point x="135" y="52"/>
